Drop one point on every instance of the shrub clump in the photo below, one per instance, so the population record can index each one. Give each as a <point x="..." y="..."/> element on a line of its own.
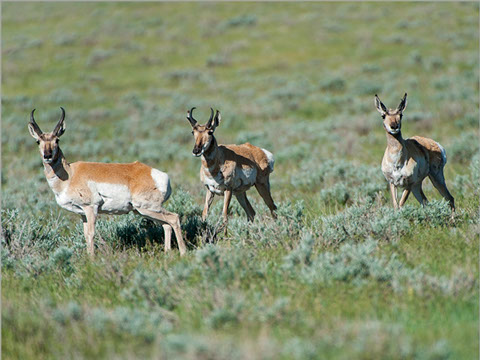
<point x="360" y="222"/>
<point x="358" y="263"/>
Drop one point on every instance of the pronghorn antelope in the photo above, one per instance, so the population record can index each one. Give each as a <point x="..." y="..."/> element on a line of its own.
<point x="89" y="188"/>
<point x="231" y="169"/>
<point x="407" y="162"/>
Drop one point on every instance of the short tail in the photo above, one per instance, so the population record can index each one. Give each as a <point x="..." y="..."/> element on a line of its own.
<point x="162" y="182"/>
<point x="270" y="159"/>
<point x="444" y="154"/>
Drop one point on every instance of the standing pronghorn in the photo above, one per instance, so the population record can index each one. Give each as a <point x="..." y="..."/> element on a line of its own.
<point x="407" y="162"/>
<point x="231" y="169"/>
<point x="89" y="188"/>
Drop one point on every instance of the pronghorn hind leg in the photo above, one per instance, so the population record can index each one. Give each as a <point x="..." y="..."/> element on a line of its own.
<point x="242" y="199"/>
<point x="264" y="191"/>
<point x="393" y="191"/>
<point x="165" y="217"/>
<point x="438" y="180"/>
<point x="252" y="211"/>
<point x="419" y="195"/>
<point x="404" y="197"/>
<point x="89" y="220"/>
<point x="208" y="201"/>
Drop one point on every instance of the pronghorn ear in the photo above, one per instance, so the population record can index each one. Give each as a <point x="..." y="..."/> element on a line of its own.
<point x="382" y="109"/>
<point x="33" y="132"/>
<point x="217" y="119"/>
<point x="403" y="104"/>
<point x="33" y="128"/>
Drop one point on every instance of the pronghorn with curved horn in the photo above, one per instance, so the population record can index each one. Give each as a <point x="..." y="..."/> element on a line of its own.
<point x="231" y="169"/>
<point x="407" y="162"/>
<point x="90" y="188"/>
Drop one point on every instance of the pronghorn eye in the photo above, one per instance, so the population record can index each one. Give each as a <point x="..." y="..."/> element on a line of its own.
<point x="38" y="142"/>
<point x="210" y="132"/>
<point x="192" y="132"/>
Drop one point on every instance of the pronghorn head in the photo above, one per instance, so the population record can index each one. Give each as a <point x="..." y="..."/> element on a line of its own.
<point x="203" y="134"/>
<point x="392" y="119"/>
<point x="47" y="142"/>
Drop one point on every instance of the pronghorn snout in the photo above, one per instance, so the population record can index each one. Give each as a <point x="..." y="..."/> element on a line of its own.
<point x="197" y="151"/>
<point x="395" y="126"/>
<point x="47" y="155"/>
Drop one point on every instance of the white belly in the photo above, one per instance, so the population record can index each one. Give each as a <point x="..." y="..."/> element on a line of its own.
<point x="111" y="198"/>
<point x="67" y="203"/>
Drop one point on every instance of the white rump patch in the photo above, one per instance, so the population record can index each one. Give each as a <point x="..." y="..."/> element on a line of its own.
<point x="111" y="198"/>
<point x="162" y="182"/>
<point x="270" y="158"/>
<point x="444" y="153"/>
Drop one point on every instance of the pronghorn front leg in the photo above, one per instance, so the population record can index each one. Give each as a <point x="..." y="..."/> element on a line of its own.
<point x="167" y="229"/>
<point x="208" y="202"/>
<point x="404" y="198"/>
<point x="226" y="203"/>
<point x="89" y="220"/>
<point x="393" y="191"/>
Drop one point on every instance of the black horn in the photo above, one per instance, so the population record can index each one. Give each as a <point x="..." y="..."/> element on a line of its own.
<point x="34" y="123"/>
<point x="190" y="118"/>
<point x="60" y="128"/>
<point x="209" y="122"/>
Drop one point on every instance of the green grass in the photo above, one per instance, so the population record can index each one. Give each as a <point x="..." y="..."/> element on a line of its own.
<point x="296" y="78"/>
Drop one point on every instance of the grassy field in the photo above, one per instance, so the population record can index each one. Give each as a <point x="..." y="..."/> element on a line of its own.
<point x="339" y="274"/>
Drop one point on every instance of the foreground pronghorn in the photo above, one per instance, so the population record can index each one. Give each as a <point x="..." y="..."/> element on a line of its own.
<point x="407" y="162"/>
<point x="231" y="169"/>
<point x="89" y="188"/>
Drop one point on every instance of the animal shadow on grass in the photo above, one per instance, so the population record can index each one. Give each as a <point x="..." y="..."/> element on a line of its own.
<point x="147" y="233"/>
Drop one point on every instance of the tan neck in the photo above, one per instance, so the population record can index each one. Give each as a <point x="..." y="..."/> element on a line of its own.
<point x="396" y="147"/>
<point x="58" y="170"/>
<point x="210" y="156"/>
<point x="395" y="142"/>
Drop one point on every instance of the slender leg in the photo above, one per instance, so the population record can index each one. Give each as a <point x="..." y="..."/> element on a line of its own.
<point x="169" y="218"/>
<point x="208" y="202"/>
<point x="393" y="191"/>
<point x="252" y="211"/>
<point x="167" y="229"/>
<point x="264" y="191"/>
<point x="438" y="180"/>
<point x="226" y="203"/>
<point x="419" y="195"/>
<point x="424" y="198"/>
<point x="404" y="197"/>
<point x="89" y="220"/>
<point x="242" y="199"/>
